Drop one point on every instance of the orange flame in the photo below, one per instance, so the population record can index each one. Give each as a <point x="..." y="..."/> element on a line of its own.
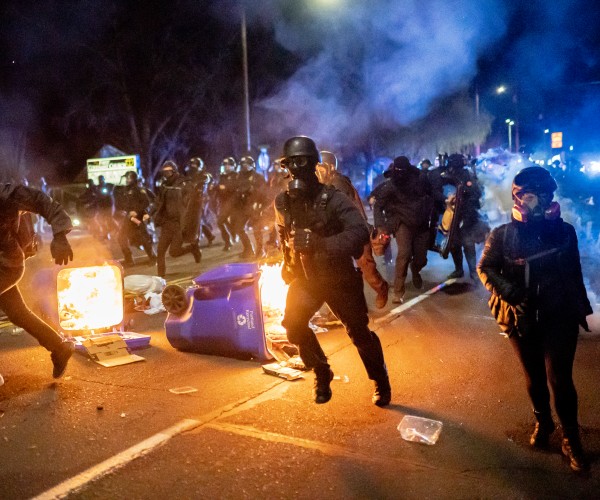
<point x="89" y="298"/>
<point x="273" y="290"/>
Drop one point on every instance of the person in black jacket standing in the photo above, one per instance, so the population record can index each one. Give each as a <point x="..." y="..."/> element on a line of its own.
<point x="532" y="267"/>
<point x="321" y="230"/>
<point x="14" y="201"/>
<point x="168" y="215"/>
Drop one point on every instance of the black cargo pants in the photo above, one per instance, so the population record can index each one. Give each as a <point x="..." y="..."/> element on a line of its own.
<point x="13" y="305"/>
<point x="346" y="300"/>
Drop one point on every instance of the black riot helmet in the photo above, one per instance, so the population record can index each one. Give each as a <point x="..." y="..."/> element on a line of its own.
<point x="535" y="180"/>
<point x="169" y="172"/>
<point x="300" y="157"/>
<point x="169" y="165"/>
<point x="301" y="146"/>
<point x="131" y="178"/>
<point x="247" y="164"/>
<point x="456" y="161"/>
<point x="229" y="165"/>
<point x="196" y="163"/>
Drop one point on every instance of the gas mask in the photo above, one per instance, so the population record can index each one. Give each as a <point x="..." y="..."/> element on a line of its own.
<point x="302" y="168"/>
<point x="297" y="189"/>
<point x="531" y="206"/>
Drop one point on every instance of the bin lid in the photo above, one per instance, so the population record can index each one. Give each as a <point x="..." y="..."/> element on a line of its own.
<point x="228" y="273"/>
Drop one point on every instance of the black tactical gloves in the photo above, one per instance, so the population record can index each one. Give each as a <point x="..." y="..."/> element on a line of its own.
<point x="60" y="249"/>
<point x="305" y="242"/>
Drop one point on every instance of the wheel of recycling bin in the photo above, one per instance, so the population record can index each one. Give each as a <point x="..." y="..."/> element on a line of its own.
<point x="174" y="299"/>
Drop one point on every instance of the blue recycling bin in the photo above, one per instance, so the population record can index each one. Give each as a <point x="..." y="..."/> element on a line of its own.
<point x="224" y="316"/>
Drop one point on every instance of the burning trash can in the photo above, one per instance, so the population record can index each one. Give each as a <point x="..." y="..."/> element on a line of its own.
<point x="221" y="314"/>
<point x="89" y="298"/>
<point x="84" y="301"/>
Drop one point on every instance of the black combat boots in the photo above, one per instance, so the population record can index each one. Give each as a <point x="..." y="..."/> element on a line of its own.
<point x="196" y="252"/>
<point x="572" y="449"/>
<point x="544" y="427"/>
<point x="60" y="357"/>
<point x="383" y="392"/>
<point x="323" y="378"/>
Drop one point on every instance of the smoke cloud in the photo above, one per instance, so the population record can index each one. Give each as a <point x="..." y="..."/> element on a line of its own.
<point x="380" y="62"/>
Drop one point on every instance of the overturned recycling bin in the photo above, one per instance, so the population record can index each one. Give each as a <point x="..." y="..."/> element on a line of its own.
<point x="221" y="314"/>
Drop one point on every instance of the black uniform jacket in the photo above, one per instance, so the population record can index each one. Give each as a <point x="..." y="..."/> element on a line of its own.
<point x="170" y="202"/>
<point x="535" y="265"/>
<point x="409" y="202"/>
<point x="341" y="229"/>
<point x="131" y="199"/>
<point x="14" y="199"/>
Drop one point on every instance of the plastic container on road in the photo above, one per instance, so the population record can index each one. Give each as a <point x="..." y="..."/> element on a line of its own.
<point x="419" y="429"/>
<point x="223" y="315"/>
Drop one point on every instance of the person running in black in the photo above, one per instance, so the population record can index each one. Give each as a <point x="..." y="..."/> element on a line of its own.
<point x="321" y="231"/>
<point x="132" y="204"/>
<point x="197" y="181"/>
<point x="168" y="216"/>
<point x="225" y="195"/>
<point x="532" y="268"/>
<point x="248" y="202"/>
<point x="403" y="207"/>
<point x="14" y="200"/>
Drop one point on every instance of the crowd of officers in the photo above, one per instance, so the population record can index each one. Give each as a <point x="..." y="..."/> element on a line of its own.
<point x="530" y="265"/>
<point x="185" y="207"/>
<point x="192" y="204"/>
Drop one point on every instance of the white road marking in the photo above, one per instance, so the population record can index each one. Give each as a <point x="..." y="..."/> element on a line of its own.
<point x="145" y="447"/>
<point x="76" y="483"/>
<point x="397" y="311"/>
<point x="116" y="462"/>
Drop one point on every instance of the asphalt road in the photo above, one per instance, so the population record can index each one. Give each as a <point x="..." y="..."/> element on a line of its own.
<point x="119" y="433"/>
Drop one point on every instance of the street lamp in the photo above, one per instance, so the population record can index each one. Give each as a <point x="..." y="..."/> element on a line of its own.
<point x="510" y="123"/>
<point x="502" y="89"/>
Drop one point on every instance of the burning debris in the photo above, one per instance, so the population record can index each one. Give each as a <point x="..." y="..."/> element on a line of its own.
<point x="90" y="298"/>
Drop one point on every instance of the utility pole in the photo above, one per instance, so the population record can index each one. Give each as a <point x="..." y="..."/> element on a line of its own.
<point x="246" y="87"/>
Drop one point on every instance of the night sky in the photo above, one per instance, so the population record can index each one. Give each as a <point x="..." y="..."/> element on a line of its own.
<point x="365" y="79"/>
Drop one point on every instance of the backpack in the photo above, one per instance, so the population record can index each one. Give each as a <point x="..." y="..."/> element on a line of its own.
<point x="27" y="238"/>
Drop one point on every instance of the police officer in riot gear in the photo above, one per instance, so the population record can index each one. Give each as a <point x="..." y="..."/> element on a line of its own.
<point x="225" y="196"/>
<point x="321" y="230"/>
<point x="250" y="197"/>
<point x="277" y="181"/>
<point x="132" y="204"/>
<point x="168" y="215"/>
<point x="105" y="207"/>
<point x="532" y="268"/>
<point x="196" y="181"/>
<point x="470" y="227"/>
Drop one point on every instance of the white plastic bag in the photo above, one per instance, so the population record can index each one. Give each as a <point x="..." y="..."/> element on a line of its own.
<point x="155" y="303"/>
<point x="141" y="283"/>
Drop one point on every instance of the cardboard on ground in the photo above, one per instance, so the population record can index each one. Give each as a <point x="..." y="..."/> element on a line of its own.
<point x="110" y="350"/>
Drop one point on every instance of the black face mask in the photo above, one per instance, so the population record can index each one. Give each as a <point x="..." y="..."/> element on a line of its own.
<point x="169" y="179"/>
<point x="399" y="177"/>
